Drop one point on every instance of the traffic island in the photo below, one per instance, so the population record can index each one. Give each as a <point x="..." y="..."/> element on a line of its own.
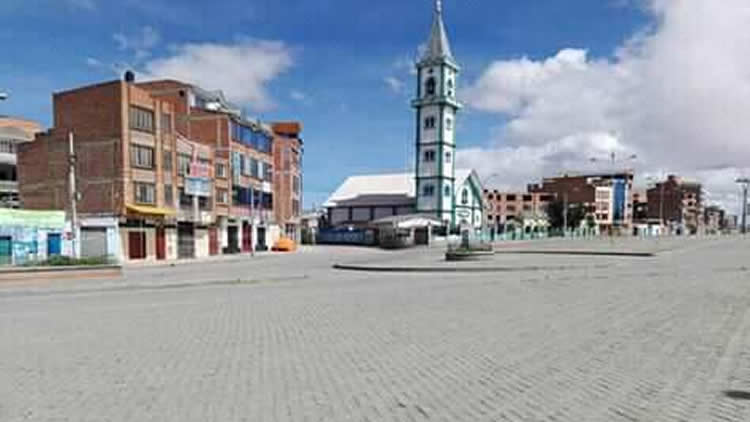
<point x="468" y="255"/>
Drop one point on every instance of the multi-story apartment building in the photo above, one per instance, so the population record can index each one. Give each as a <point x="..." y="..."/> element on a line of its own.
<point x="506" y="207"/>
<point x="607" y="197"/>
<point x="13" y="131"/>
<point x="135" y="200"/>
<point x="678" y="204"/>
<point x="244" y="170"/>
<point x="287" y="184"/>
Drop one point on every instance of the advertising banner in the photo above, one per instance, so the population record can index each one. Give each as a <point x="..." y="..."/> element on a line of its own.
<point x="198" y="186"/>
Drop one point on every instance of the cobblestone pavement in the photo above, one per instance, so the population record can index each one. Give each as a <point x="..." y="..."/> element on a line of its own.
<point x="659" y="339"/>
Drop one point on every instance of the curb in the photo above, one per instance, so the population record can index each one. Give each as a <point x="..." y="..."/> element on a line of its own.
<point x="47" y="270"/>
<point x="580" y="253"/>
<point x="373" y="269"/>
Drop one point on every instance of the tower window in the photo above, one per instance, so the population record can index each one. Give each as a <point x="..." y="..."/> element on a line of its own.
<point x="430" y="86"/>
<point x="429" y="156"/>
<point x="429" y="122"/>
<point x="428" y="190"/>
<point x="465" y="197"/>
<point x="449" y="124"/>
<point x="447" y="191"/>
<point x="448" y="157"/>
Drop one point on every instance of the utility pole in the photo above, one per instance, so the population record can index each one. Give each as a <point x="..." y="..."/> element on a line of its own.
<point x="565" y="214"/>
<point x="73" y="194"/>
<point x="744" y="182"/>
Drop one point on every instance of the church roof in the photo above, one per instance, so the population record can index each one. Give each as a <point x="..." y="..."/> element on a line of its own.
<point x="381" y="189"/>
<point x="438" y="47"/>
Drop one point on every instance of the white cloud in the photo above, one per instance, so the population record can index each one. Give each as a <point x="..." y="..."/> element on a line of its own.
<point x="94" y="62"/>
<point x="677" y="94"/>
<point x="241" y="69"/>
<point x="297" y="95"/>
<point x="395" y="84"/>
<point x="139" y="43"/>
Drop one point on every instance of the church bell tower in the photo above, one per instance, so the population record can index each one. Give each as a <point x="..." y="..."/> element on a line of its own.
<point x="436" y="109"/>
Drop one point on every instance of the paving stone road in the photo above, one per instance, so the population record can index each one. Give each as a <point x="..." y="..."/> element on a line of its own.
<point x="657" y="339"/>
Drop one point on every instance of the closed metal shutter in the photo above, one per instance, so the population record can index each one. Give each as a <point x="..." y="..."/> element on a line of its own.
<point x="93" y="242"/>
<point x="185" y="241"/>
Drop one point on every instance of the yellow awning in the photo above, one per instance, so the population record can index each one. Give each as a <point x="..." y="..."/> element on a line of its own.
<point x="147" y="210"/>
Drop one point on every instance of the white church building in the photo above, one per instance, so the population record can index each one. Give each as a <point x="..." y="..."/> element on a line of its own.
<point x="436" y="188"/>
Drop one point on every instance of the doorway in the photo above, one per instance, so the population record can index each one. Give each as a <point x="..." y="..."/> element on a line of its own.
<point x="161" y="244"/>
<point x="54" y="244"/>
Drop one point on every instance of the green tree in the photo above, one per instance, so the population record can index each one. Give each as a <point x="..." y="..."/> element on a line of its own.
<point x="556" y="214"/>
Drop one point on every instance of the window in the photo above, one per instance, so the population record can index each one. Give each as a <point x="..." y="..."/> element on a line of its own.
<point x="244" y="165"/>
<point x="144" y="193"/>
<point x="7" y="147"/>
<point x="295" y="185"/>
<point x="511" y="198"/>
<point x="183" y="163"/>
<point x="221" y="170"/>
<point x="450" y="87"/>
<point x="142" y="157"/>
<point x="141" y="119"/>
<point x="429" y="122"/>
<point x="428" y="190"/>
<point x="465" y="197"/>
<point x="168" y="195"/>
<point x="448" y="157"/>
<point x="167" y="161"/>
<point x="528" y="198"/>
<point x="429" y="156"/>
<point x="166" y="123"/>
<point x="448" y="124"/>
<point x="447" y="192"/>
<point x="527" y="208"/>
<point x="295" y="207"/>
<point x="254" y="168"/>
<point x="222" y="196"/>
<point x="267" y="172"/>
<point x="204" y="203"/>
<point x="510" y="208"/>
<point x="430" y="86"/>
<point x="186" y="201"/>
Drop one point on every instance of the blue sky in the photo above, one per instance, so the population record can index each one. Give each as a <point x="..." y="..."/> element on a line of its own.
<point x="335" y="58"/>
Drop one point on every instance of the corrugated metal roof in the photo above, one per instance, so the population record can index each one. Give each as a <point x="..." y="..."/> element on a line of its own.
<point x="381" y="185"/>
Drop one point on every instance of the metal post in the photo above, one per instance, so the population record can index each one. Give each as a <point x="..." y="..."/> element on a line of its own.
<point x="745" y="182"/>
<point x="73" y="194"/>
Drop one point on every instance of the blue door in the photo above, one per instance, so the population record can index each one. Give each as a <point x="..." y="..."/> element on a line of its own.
<point x="54" y="244"/>
<point x="6" y="251"/>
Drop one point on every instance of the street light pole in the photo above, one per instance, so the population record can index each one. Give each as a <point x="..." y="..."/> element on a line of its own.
<point x="744" y="182"/>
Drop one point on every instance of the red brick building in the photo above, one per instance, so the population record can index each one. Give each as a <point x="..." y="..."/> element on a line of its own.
<point x="678" y="204"/>
<point x="165" y="170"/>
<point x="287" y="153"/>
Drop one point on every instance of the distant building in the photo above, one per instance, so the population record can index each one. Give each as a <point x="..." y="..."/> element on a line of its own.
<point x="13" y="131"/>
<point x="287" y="185"/>
<point x="607" y="197"/>
<point x="524" y="210"/>
<point x="713" y="219"/>
<point x="678" y="204"/>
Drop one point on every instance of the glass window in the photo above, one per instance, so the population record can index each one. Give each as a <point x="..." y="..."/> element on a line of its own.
<point x="183" y="161"/>
<point x="449" y="124"/>
<point x="447" y="191"/>
<point x="167" y="160"/>
<point x="166" y="123"/>
<point x="186" y="200"/>
<point x="222" y="196"/>
<point x="142" y="157"/>
<point x="295" y="184"/>
<point x="141" y="119"/>
<point x="429" y="156"/>
<point x="144" y="193"/>
<point x="168" y="195"/>
<point x="221" y="170"/>
<point x="465" y="197"/>
<point x="428" y="190"/>
<point x="448" y="157"/>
